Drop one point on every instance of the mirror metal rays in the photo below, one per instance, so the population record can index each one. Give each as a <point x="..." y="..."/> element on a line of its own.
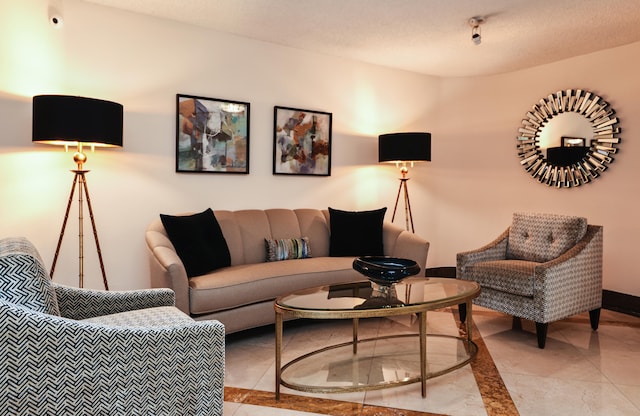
<point x="570" y="165"/>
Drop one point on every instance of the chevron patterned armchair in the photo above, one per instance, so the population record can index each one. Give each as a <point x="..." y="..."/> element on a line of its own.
<point x="69" y="351"/>
<point x="544" y="267"/>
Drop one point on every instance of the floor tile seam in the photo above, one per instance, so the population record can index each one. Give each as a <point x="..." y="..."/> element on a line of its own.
<point x="633" y="404"/>
<point x="560" y="379"/>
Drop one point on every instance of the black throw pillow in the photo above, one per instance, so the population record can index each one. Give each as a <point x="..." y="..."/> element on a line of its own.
<point x="356" y="233"/>
<point x="198" y="240"/>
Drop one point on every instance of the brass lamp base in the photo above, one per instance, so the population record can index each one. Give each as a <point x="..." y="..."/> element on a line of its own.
<point x="80" y="182"/>
<point x="408" y="217"/>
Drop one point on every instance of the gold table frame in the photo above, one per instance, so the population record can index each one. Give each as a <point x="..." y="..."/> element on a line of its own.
<point x="419" y="308"/>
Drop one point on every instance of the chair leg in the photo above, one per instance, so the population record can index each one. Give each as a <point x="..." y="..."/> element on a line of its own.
<point x="462" y="310"/>
<point x="541" y="331"/>
<point x="516" y="324"/>
<point x="594" y="317"/>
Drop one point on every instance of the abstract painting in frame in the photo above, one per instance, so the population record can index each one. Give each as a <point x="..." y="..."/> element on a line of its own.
<point x="301" y="142"/>
<point x="212" y="135"/>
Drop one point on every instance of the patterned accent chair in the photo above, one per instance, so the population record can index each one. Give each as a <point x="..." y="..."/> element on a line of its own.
<point x="544" y="267"/>
<point x="69" y="351"/>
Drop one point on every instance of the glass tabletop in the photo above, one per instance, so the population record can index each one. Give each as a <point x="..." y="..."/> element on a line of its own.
<point x="366" y="295"/>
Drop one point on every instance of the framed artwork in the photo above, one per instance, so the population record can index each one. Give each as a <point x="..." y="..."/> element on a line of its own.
<point x="212" y="135"/>
<point x="301" y="142"/>
<point x="573" y="141"/>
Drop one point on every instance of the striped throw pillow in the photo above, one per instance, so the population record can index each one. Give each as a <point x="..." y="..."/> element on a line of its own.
<point x="287" y="248"/>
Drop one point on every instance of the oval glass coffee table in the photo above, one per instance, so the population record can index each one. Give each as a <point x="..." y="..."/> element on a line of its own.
<point x="383" y="361"/>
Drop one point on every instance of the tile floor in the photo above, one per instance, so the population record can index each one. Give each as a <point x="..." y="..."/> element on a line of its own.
<point x="580" y="372"/>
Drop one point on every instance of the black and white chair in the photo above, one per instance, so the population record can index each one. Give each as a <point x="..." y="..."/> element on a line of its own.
<point x="69" y="351"/>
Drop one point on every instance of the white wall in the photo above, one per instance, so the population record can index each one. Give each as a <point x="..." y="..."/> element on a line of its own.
<point x="462" y="199"/>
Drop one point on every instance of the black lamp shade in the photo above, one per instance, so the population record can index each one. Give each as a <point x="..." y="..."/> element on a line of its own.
<point x="404" y="147"/>
<point x="64" y="119"/>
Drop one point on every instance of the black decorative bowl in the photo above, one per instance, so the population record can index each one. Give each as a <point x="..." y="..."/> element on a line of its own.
<point x="385" y="270"/>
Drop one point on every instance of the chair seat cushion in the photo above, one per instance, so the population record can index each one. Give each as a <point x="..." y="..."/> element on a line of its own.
<point x="161" y="316"/>
<point x="510" y="276"/>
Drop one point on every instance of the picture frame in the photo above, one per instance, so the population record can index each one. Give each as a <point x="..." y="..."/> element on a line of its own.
<point x="301" y="142"/>
<point x="212" y="135"/>
<point x="573" y="141"/>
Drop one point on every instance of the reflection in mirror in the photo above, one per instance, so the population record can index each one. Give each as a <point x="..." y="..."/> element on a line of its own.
<point x="568" y="138"/>
<point x="565" y="125"/>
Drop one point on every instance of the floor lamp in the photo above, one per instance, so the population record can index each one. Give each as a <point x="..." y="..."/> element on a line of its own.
<point x="77" y="122"/>
<point x="403" y="148"/>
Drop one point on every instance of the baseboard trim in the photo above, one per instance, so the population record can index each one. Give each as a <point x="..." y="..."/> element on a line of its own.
<point x="441" y="272"/>
<point x="613" y="301"/>
<point x="621" y="302"/>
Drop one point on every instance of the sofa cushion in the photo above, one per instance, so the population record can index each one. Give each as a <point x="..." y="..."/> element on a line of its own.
<point x="543" y="237"/>
<point x="198" y="240"/>
<point x="246" y="284"/>
<point x="287" y="248"/>
<point x="356" y="233"/>
<point x="509" y="276"/>
<point x="23" y="278"/>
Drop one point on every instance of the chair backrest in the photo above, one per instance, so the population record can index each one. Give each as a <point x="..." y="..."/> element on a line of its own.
<point x="23" y="278"/>
<point x="543" y="237"/>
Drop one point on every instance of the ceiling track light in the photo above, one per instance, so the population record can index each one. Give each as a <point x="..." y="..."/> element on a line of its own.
<point x="475" y="23"/>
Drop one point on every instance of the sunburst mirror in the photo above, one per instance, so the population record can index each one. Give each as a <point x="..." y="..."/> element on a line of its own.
<point x="568" y="138"/>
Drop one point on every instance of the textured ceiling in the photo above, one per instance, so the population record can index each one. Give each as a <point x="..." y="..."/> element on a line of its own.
<point x="426" y="36"/>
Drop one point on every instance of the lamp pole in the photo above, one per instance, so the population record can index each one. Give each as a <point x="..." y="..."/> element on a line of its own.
<point x="80" y="181"/>
<point x="408" y="217"/>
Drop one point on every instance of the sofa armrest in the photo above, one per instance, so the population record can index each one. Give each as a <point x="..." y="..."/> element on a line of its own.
<point x="166" y="268"/>
<point x="495" y="250"/>
<point x="401" y="243"/>
<point x="75" y="303"/>
<point x="58" y="366"/>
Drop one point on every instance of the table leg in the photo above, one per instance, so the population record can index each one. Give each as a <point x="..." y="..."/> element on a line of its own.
<point x="423" y="352"/>
<point x="469" y="321"/>
<point x="278" y="353"/>
<point x="355" y="335"/>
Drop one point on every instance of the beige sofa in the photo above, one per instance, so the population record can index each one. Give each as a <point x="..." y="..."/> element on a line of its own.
<point x="241" y="296"/>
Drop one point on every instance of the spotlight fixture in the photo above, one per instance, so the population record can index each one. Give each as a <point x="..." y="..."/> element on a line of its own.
<point x="55" y="14"/>
<point x="475" y="23"/>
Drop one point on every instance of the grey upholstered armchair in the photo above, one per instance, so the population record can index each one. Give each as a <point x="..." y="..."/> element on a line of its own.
<point x="68" y="351"/>
<point x="544" y="267"/>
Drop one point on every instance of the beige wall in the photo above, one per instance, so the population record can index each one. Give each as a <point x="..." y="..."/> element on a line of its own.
<point x="475" y="180"/>
<point x="460" y="200"/>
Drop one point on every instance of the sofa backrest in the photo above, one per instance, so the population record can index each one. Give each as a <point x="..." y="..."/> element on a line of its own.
<point x="24" y="279"/>
<point x="246" y="230"/>
<point x="543" y="237"/>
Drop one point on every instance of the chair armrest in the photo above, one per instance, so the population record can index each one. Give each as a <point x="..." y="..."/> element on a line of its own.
<point x="75" y="303"/>
<point x="57" y="366"/>
<point x="578" y="271"/>
<point x="572" y="282"/>
<point x="495" y="250"/>
<point x="593" y="236"/>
